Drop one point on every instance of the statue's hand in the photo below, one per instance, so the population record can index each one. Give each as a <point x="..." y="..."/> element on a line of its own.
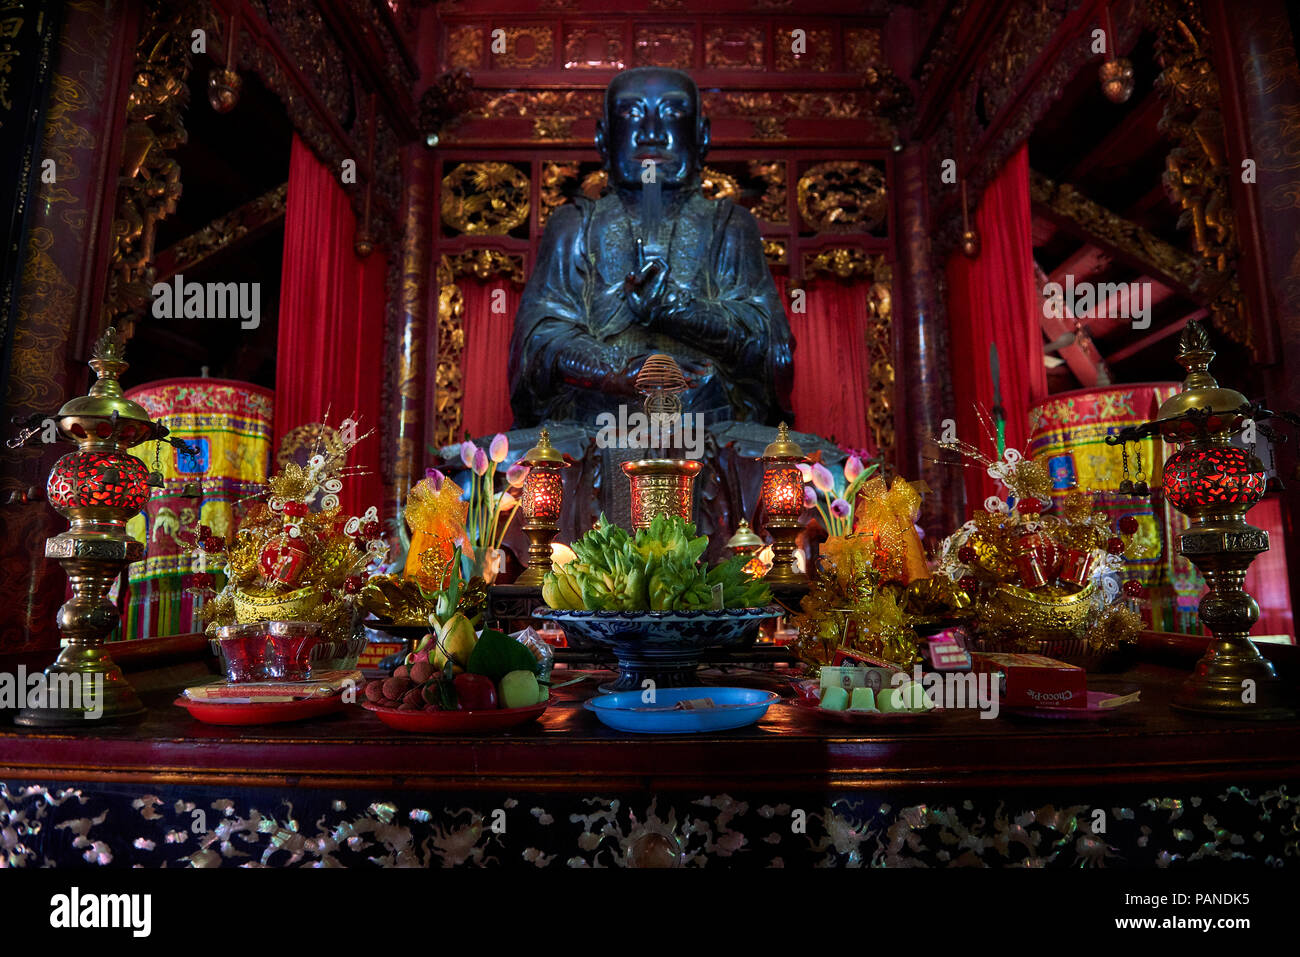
<point x="644" y="286"/>
<point x="697" y="371"/>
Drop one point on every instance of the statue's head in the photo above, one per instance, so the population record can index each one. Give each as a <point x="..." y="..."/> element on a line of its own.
<point x="652" y="113"/>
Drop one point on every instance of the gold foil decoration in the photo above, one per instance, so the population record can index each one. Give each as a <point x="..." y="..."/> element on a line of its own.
<point x="847" y="607"/>
<point x="888" y="515"/>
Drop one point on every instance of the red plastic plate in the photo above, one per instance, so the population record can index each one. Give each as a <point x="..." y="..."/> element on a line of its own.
<point x="261" y="712"/>
<point x="455" y="722"/>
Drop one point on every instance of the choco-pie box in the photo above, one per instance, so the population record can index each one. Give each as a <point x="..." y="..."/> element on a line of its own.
<point x="1035" y="681"/>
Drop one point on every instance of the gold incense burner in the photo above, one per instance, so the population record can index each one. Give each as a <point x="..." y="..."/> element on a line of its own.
<point x="98" y="488"/>
<point x="661" y="487"/>
<point x="1215" y="483"/>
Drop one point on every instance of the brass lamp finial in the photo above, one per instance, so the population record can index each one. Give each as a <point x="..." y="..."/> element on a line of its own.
<point x="543" y="451"/>
<point x="783" y="447"/>
<point x="1200" y="392"/>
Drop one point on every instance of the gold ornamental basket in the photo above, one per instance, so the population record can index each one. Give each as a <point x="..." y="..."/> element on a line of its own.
<point x="1060" y="620"/>
<point x="297" y="605"/>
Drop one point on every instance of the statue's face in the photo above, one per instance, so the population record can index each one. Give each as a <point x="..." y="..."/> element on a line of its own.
<point x="652" y="115"/>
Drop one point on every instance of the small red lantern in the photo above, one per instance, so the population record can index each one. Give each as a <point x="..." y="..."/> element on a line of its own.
<point x="542" y="502"/>
<point x="783" y="503"/>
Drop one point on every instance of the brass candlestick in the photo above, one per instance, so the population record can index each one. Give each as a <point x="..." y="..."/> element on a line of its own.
<point x="98" y="487"/>
<point x="1214" y="483"/>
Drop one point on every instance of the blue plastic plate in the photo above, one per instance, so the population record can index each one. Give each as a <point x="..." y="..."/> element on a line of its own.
<point x="629" y="711"/>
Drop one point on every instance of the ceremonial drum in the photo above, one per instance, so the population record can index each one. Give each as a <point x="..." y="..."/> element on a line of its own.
<point x="1069" y="432"/>
<point x="231" y="424"/>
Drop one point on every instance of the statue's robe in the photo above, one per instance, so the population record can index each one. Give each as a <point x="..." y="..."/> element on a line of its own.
<point x="574" y="299"/>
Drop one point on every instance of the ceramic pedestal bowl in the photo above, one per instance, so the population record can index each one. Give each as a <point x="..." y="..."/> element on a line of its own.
<point x="660" y="646"/>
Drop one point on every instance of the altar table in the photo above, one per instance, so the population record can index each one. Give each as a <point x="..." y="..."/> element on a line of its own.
<point x="1147" y="787"/>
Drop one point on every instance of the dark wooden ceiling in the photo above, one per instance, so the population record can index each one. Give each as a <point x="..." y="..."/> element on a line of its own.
<point x="229" y="160"/>
<point x="1115" y="154"/>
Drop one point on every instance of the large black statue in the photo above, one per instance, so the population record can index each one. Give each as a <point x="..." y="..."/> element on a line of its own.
<point x="650" y="267"/>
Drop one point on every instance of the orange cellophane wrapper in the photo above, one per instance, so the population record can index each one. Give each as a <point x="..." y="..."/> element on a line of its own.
<point x="436" y="518"/>
<point x="888" y="514"/>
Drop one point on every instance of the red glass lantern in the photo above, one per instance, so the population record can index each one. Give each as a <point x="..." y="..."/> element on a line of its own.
<point x="1199" y="477"/>
<point x="783" y="491"/>
<point x="107" y="478"/>
<point x="542" y="502"/>
<point x="543" y="495"/>
<point x="783" y="503"/>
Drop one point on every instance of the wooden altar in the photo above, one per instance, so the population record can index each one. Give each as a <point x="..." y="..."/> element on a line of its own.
<point x="1147" y="787"/>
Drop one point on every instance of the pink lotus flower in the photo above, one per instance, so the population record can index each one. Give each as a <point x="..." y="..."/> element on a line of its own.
<point x="852" y="468"/>
<point x="480" y="463"/>
<point x="809" y="497"/>
<point x="467" y="450"/>
<point x="840" y="508"/>
<point x="435" y="478"/>
<point x="805" y="470"/>
<point x="822" y="478"/>
<point x="516" y="474"/>
<point x="500" y="448"/>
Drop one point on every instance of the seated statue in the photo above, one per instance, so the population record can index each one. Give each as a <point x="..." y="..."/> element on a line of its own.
<point x="651" y="267"/>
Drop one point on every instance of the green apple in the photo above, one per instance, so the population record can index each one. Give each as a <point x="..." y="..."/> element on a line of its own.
<point x="519" y="689"/>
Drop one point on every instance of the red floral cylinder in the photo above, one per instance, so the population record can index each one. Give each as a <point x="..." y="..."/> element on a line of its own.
<point x="1029" y="560"/>
<point x="1076" y="565"/>
<point x="107" y="478"/>
<point x="1198" y="477"/>
<point x="283" y="559"/>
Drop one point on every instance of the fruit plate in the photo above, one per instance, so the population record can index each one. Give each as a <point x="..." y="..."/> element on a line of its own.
<point x="456" y="722"/>
<point x="260" y="712"/>
<point x="735" y="708"/>
<point x="813" y="707"/>
<point x="1093" y="712"/>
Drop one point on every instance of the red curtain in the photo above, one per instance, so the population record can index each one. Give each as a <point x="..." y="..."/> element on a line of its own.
<point x="992" y="300"/>
<point x="1267" y="580"/>
<point x="832" y="370"/>
<point x="330" y="353"/>
<point x="488" y="320"/>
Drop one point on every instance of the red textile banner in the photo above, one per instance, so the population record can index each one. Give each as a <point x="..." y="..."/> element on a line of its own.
<point x="330" y="353"/>
<point x="488" y="321"/>
<point x="832" y="371"/>
<point x="1268" y="579"/>
<point x="992" y="300"/>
